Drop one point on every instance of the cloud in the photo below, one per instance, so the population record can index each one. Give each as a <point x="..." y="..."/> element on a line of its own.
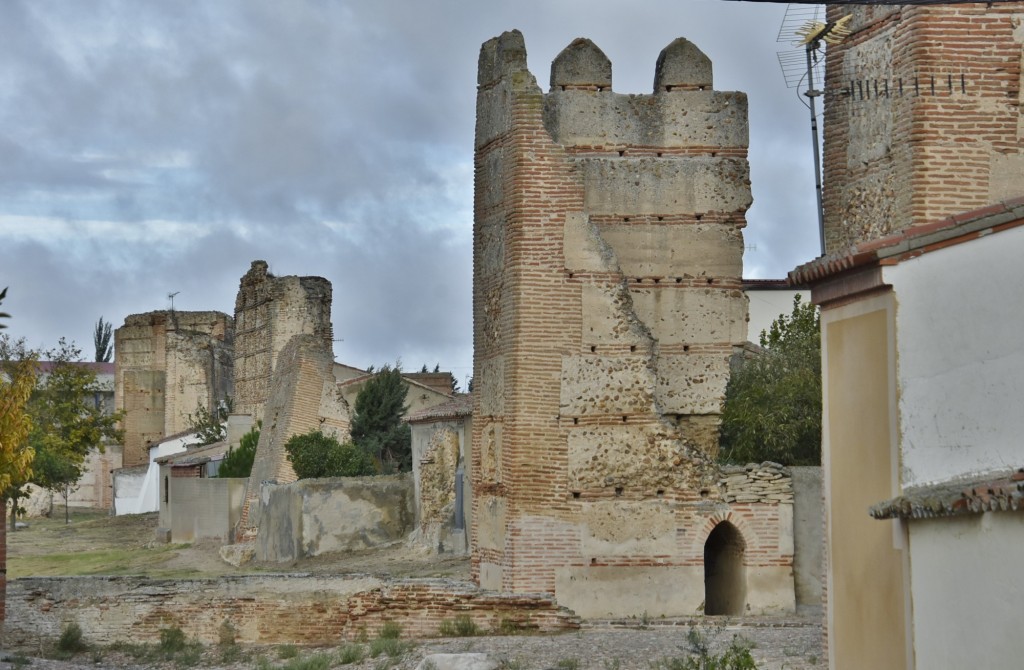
<point x="149" y="147"/>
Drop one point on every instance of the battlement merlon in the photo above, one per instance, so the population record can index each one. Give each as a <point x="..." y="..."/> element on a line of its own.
<point x="684" y="115"/>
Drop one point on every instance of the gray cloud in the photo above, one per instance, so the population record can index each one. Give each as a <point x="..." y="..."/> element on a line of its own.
<point x="330" y="138"/>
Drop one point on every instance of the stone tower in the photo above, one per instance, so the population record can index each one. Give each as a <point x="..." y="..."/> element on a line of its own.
<point x="269" y="311"/>
<point x="922" y="116"/>
<point x="606" y="304"/>
<point x="166" y="364"/>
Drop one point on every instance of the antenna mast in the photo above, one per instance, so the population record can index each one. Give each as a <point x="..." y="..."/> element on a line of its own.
<point x="807" y="23"/>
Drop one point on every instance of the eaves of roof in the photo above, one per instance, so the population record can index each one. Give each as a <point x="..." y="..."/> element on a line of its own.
<point x="991" y="493"/>
<point x="913" y="242"/>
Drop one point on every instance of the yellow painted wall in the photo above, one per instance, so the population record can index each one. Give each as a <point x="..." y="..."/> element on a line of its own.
<point x="867" y="585"/>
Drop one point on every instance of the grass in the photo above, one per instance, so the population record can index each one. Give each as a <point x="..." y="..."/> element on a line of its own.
<point x="94" y="543"/>
<point x="461" y="626"/>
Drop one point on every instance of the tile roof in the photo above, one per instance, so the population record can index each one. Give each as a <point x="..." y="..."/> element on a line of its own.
<point x="992" y="493"/>
<point x="461" y="405"/>
<point x="914" y="241"/>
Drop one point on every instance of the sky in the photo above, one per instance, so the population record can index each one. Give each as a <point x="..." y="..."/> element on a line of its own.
<point x="150" y="148"/>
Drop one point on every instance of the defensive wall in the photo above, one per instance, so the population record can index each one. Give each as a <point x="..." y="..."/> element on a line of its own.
<point x="262" y="609"/>
<point x="607" y="302"/>
<point x="166" y="364"/>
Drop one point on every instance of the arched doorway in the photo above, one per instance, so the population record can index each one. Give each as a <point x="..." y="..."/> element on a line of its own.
<point x="725" y="578"/>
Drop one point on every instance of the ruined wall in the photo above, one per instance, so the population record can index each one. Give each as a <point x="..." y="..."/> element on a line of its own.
<point x="269" y="311"/>
<point x="922" y="116"/>
<point x="165" y="365"/>
<point x="304" y="397"/>
<point x="319" y="516"/>
<point x="261" y="609"/>
<point x="607" y="302"/>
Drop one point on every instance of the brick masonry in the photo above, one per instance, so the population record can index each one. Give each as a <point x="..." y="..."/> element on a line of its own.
<point x="165" y="365"/>
<point x="269" y="311"/>
<point x="262" y="609"/>
<point x="922" y="116"/>
<point x="607" y="302"/>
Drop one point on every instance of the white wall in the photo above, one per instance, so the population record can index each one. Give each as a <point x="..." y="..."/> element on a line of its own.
<point x="148" y="497"/>
<point x="966" y="587"/>
<point x="960" y="358"/>
<point x="766" y="306"/>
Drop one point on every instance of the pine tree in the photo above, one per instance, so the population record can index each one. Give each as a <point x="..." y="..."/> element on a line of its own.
<point x="377" y="427"/>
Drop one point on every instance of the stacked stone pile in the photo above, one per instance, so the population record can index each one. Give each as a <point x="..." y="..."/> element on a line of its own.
<point x="768" y="483"/>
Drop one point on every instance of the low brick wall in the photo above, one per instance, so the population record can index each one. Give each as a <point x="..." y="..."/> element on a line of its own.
<point x="262" y="609"/>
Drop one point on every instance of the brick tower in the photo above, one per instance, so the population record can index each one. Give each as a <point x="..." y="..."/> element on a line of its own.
<point x="269" y="311"/>
<point x="606" y="302"/>
<point x="922" y="116"/>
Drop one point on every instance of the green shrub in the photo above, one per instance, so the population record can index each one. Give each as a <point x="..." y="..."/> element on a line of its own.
<point x="351" y="653"/>
<point x="172" y="640"/>
<point x="317" y="455"/>
<point x="390" y="631"/>
<point x="238" y="462"/>
<point x="71" y="640"/>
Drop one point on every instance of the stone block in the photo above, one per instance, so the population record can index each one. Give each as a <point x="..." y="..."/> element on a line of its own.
<point x="687" y="185"/>
<point x="620" y="528"/>
<point x="688" y="251"/>
<point x="682" y="65"/>
<point x="692" y="316"/>
<point x="692" y="383"/>
<point x="631" y="457"/>
<point x="618" y="591"/>
<point x="600" y="385"/>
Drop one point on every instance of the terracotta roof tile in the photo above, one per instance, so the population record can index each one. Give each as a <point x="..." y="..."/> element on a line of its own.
<point x="992" y="493"/>
<point x="913" y="241"/>
<point x="459" y="406"/>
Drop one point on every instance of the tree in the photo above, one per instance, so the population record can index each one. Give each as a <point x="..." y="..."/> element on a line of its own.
<point x="18" y="368"/>
<point x="3" y="315"/>
<point x="101" y="336"/>
<point x="67" y="420"/>
<point x="772" y="405"/>
<point x="238" y="462"/>
<point x="209" y="426"/>
<point x="377" y="426"/>
<point x="317" y="455"/>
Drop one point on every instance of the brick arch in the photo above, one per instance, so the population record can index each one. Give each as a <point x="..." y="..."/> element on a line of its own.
<point x="725" y="570"/>
<point x="737" y="521"/>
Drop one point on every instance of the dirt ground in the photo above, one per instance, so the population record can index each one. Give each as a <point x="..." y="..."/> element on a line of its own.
<point x="97" y="543"/>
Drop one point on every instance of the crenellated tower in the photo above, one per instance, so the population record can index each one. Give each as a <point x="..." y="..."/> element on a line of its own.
<point x="607" y="302"/>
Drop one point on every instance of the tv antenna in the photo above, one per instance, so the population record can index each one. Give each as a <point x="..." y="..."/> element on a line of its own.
<point x="170" y="296"/>
<point x="808" y="24"/>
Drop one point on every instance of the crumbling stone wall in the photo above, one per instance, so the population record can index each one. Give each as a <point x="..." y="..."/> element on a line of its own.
<point x="269" y="312"/>
<point x="304" y="396"/>
<point x="165" y="365"/>
<point x="922" y="116"/>
<point x="607" y="303"/>
<point x="319" y="516"/>
<point x="262" y="609"/>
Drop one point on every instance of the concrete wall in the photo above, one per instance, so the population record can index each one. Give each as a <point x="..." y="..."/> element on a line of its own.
<point x="808" y="535"/>
<point x="200" y="508"/>
<point x="262" y="609"/>
<point x="961" y="364"/>
<point x="896" y="160"/>
<point x="315" y="516"/>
